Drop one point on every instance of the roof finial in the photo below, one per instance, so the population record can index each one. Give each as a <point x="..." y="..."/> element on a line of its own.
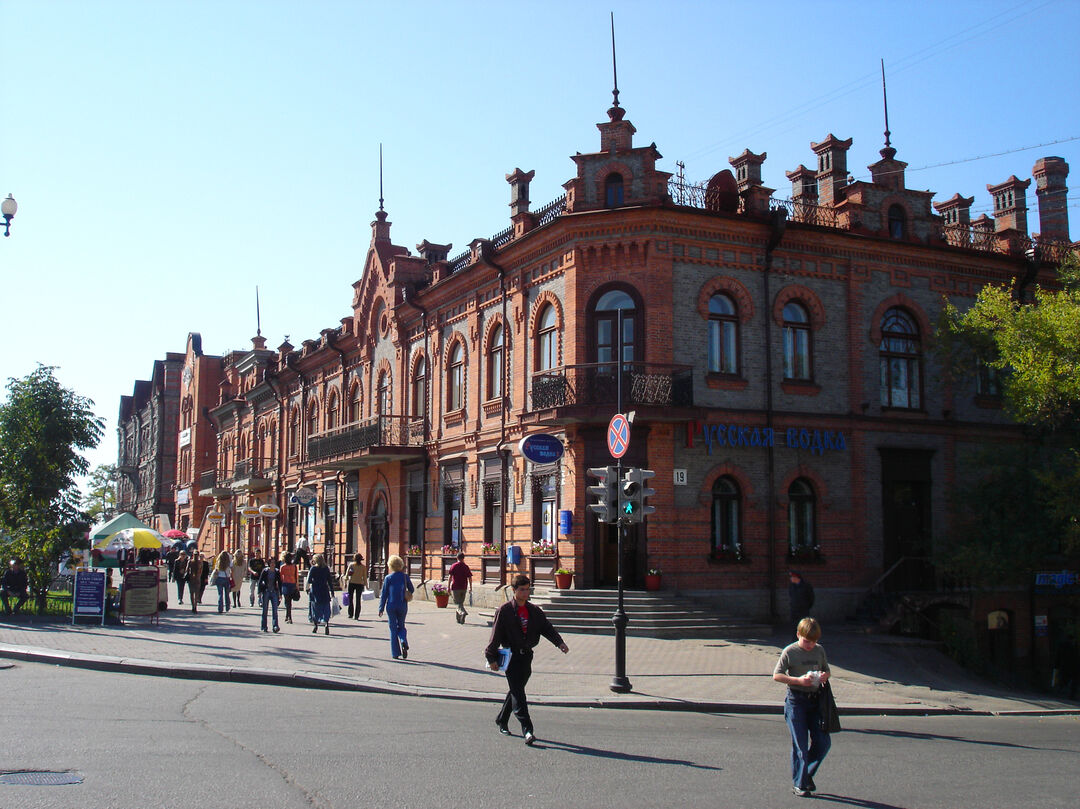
<point x="380" y="179"/>
<point x="888" y="152"/>
<point x="616" y="112"/>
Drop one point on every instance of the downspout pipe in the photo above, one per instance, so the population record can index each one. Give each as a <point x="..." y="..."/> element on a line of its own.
<point x="777" y="226"/>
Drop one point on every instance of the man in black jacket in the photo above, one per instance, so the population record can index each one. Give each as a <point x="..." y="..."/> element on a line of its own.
<point x="14" y="584"/>
<point x="518" y="627"/>
<point x="800" y="597"/>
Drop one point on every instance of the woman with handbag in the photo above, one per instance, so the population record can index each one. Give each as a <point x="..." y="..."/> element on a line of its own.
<point x="239" y="563"/>
<point x="355" y="579"/>
<point x="222" y="578"/>
<point x="397" y="592"/>
<point x="804" y="669"/>
<point x="320" y="588"/>
<point x="289" y="574"/>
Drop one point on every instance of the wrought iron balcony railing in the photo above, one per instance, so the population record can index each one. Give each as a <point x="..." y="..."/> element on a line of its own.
<point x="379" y="431"/>
<point x="597" y="384"/>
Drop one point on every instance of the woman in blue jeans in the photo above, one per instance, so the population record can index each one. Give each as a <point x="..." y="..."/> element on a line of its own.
<point x="397" y="590"/>
<point x="320" y="587"/>
<point x="803" y="668"/>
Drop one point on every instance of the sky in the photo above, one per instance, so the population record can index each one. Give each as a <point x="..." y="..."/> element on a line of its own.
<point x="170" y="157"/>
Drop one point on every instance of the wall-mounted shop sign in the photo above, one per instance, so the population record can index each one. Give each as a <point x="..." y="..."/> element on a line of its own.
<point x="269" y="510"/>
<point x="541" y="448"/>
<point x="735" y="435"/>
<point x="185" y="437"/>
<point x="215" y="517"/>
<point x="305" y="496"/>
<point x="1057" y="581"/>
<point x="248" y="512"/>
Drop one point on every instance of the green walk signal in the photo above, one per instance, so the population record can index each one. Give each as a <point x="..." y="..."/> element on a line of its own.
<point x="607" y="508"/>
<point x="632" y="495"/>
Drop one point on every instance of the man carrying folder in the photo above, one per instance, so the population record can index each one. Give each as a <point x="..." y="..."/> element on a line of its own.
<point x="518" y="627"/>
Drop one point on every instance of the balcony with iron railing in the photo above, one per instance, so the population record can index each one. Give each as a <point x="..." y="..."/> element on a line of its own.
<point x="366" y="443"/>
<point x="254" y="475"/>
<point x="591" y="385"/>
<point x="210" y="487"/>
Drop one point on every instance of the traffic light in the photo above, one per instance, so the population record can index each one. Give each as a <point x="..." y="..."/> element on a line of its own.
<point x="607" y="509"/>
<point x="633" y="493"/>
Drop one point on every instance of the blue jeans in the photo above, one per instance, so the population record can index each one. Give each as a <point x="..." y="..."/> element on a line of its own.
<point x="395" y="616"/>
<point x="224" y="594"/>
<point x="809" y="745"/>
<point x="270" y="598"/>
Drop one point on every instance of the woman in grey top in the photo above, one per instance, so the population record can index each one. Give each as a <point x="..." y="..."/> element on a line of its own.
<point x="803" y="668"/>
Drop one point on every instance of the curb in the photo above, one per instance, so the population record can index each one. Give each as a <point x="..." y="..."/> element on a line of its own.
<point x="330" y="682"/>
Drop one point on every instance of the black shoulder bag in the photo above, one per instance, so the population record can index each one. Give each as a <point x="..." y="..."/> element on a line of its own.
<point x="828" y="715"/>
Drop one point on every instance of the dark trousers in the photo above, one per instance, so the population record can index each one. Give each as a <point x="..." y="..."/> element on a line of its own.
<point x="517" y="675"/>
<point x="18" y="604"/>
<point x="355" y="593"/>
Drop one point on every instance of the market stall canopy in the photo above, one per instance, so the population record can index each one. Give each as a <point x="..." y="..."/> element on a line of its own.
<point x="133" y="538"/>
<point x="117" y="523"/>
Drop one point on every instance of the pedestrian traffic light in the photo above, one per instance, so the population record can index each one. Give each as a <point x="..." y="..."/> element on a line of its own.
<point x="633" y="493"/>
<point x="607" y="509"/>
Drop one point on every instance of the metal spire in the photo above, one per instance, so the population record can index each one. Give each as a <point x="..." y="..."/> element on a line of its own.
<point x="380" y="179"/>
<point x="258" y="317"/>
<point x="885" y="98"/>
<point x="614" y="65"/>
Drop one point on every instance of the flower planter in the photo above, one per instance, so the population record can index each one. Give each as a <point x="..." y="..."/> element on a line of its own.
<point x="442" y="599"/>
<point x="652" y="581"/>
<point x="564" y="580"/>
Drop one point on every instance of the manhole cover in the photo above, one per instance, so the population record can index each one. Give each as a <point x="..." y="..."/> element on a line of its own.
<point x="40" y="778"/>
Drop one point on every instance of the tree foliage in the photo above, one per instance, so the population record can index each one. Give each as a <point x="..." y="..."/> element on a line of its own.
<point x="99" y="502"/>
<point x="43" y="428"/>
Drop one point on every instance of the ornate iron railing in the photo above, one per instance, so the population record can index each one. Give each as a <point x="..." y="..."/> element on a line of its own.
<point x="550" y="212"/>
<point x="502" y="239"/>
<point x="598" y="384"/>
<point x="207" y="480"/>
<point x="684" y="193"/>
<point x="379" y="431"/>
<point x="973" y="238"/>
<point x="251" y="468"/>
<point x="806" y="212"/>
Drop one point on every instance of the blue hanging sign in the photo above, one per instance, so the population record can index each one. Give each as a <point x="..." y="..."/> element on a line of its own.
<point x="541" y="448"/>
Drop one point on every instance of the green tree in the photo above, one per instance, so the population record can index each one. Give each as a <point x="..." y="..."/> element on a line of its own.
<point x="43" y="428"/>
<point x="1021" y="510"/>
<point x="99" y="502"/>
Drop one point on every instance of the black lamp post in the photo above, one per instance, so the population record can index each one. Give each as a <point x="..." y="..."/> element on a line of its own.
<point x="8" y="208"/>
<point x="620" y="683"/>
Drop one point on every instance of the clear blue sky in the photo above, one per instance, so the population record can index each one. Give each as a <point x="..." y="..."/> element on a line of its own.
<point x="167" y="157"/>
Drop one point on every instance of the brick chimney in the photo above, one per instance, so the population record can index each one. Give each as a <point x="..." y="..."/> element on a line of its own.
<point x="747" y="167"/>
<point x="1010" y="204"/>
<point x="803" y="185"/>
<point x="832" y="168"/>
<point x="1052" y="193"/>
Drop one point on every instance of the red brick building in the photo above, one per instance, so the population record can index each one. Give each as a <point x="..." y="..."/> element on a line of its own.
<point x="773" y="351"/>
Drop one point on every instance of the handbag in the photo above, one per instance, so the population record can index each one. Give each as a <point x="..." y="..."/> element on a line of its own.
<point x="344" y="599"/>
<point x="295" y="595"/>
<point x="367" y="595"/>
<point x="828" y="715"/>
<point x="408" y="596"/>
<point x="335" y="606"/>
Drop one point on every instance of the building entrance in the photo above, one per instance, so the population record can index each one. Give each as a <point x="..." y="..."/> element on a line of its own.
<point x="606" y="555"/>
<point x="378" y="550"/>
<point x="905" y="506"/>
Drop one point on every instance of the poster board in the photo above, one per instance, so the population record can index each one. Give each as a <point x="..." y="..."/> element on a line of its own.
<point x="139" y="596"/>
<point x="88" y="600"/>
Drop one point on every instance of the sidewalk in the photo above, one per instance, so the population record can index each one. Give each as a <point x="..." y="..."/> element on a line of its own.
<point x="872" y="674"/>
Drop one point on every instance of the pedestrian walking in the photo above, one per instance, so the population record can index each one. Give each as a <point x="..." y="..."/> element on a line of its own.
<point x="222" y="578"/>
<point x="460" y="576"/>
<point x="803" y="668"/>
<point x="270" y="591"/>
<point x="800" y="597"/>
<point x="519" y="625"/>
<point x="205" y="577"/>
<point x="239" y="563"/>
<point x="320" y="588"/>
<point x="179" y="574"/>
<point x="14" y="584"/>
<point x="397" y="592"/>
<point x="255" y="567"/>
<point x="289" y="583"/>
<point x="194" y="572"/>
<point x="355" y="579"/>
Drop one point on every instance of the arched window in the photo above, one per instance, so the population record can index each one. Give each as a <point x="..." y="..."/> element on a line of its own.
<point x="613" y="190"/>
<point x="294" y="432"/>
<point x="723" y="336"/>
<point x="313" y="419"/>
<point x="615" y="307"/>
<point x="496" y="364"/>
<point x="801" y="515"/>
<point x="419" y="390"/>
<point x="796" y="342"/>
<point x="332" y="411"/>
<point x="382" y="401"/>
<point x="725" y="516"/>
<point x="356" y="404"/>
<point x="900" y="360"/>
<point x="897" y="222"/>
<point x="455" y="382"/>
<point x="546" y="340"/>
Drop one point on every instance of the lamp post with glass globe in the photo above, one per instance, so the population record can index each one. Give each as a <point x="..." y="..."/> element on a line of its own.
<point x="8" y="208"/>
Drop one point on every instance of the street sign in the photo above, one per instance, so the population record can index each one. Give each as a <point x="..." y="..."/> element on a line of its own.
<point x="618" y="435"/>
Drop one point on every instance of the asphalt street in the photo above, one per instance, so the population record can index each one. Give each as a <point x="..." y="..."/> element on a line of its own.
<point x="139" y="741"/>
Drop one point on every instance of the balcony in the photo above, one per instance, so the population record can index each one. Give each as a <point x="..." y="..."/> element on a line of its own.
<point x="381" y="439"/>
<point x="253" y="476"/>
<point x="208" y="486"/>
<point x="590" y="392"/>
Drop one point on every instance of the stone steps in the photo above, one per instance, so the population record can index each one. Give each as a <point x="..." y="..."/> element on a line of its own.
<point x="650" y="615"/>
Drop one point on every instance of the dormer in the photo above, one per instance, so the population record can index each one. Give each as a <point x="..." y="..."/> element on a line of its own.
<point x="431" y="252"/>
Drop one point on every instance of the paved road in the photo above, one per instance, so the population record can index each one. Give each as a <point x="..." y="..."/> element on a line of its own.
<point x="872" y="673"/>
<point x="153" y="742"/>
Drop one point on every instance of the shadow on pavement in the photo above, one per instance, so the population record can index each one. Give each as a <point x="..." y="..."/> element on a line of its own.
<point x="581" y="750"/>
<point x="849" y="801"/>
<point x="931" y="737"/>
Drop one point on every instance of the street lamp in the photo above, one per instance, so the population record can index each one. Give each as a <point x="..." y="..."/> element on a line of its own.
<point x="8" y="208"/>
